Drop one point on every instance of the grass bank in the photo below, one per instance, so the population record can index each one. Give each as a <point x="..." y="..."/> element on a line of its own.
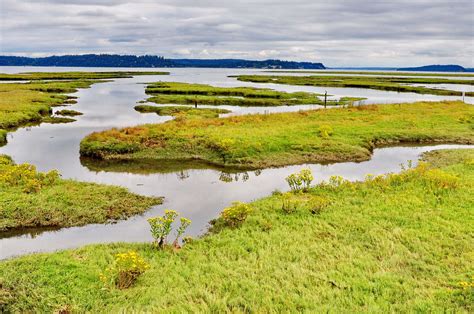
<point x="400" y="243"/>
<point x="388" y="73"/>
<point x="201" y="94"/>
<point x="395" y="84"/>
<point x="182" y="112"/>
<point x="259" y="141"/>
<point x="29" y="198"/>
<point x="34" y="76"/>
<point x="25" y="103"/>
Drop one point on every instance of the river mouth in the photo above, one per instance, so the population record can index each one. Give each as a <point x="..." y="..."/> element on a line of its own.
<point x="197" y="190"/>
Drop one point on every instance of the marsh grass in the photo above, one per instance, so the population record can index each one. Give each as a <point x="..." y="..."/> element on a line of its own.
<point x="182" y="111"/>
<point x="68" y="113"/>
<point x="396" y="84"/>
<point x="388" y="73"/>
<point x="32" y="102"/>
<point x="259" y="141"/>
<point x="383" y="245"/>
<point x="29" y="198"/>
<point x="201" y="94"/>
<point x="79" y="75"/>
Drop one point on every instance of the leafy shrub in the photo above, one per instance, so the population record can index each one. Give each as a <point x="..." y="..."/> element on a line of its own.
<point x="25" y="176"/>
<point x="125" y="271"/>
<point x="300" y="181"/>
<point x="185" y="222"/>
<point x="236" y="214"/>
<point x="161" y="227"/>
<point x="317" y="204"/>
<point x="289" y="204"/>
<point x="325" y="131"/>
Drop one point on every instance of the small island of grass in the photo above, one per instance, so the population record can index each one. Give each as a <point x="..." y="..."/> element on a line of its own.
<point x="29" y="198"/>
<point x="386" y="83"/>
<point x="182" y="111"/>
<point x="259" y="141"/>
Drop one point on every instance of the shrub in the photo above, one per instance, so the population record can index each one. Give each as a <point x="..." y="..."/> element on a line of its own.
<point x="125" y="271"/>
<point x="289" y="205"/>
<point x="185" y="222"/>
<point x="300" y="181"/>
<point x="236" y="214"/>
<point x="161" y="227"/>
<point x="317" y="204"/>
<point x="25" y="176"/>
<point x="294" y="181"/>
<point x="325" y="131"/>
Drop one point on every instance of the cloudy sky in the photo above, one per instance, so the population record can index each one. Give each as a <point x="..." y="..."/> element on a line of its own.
<point x="337" y="32"/>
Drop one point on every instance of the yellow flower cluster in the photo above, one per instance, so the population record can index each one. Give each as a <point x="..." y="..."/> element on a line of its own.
<point x="467" y="285"/>
<point x="130" y="261"/>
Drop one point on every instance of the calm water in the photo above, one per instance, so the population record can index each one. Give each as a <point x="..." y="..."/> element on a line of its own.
<point x="196" y="191"/>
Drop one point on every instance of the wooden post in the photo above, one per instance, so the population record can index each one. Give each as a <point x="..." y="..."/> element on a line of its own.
<point x="325" y="98"/>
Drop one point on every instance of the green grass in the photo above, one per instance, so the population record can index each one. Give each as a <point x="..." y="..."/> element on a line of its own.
<point x="201" y="94"/>
<point x="389" y="73"/>
<point x="29" y="103"/>
<point x="259" y="141"/>
<point x="32" y="76"/>
<point x="21" y="104"/>
<point x="396" y="84"/>
<point x="182" y="111"/>
<point x="32" y="199"/>
<point x="68" y="113"/>
<point x="396" y="244"/>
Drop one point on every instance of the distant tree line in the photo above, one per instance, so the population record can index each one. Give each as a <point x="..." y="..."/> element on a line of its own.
<point x="148" y="61"/>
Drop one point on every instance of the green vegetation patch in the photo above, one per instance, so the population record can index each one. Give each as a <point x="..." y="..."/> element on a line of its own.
<point x="201" y="94"/>
<point x="396" y="84"/>
<point x="21" y="104"/>
<point x="33" y="76"/>
<point x="68" y="113"/>
<point x="259" y="141"/>
<point x="400" y="243"/>
<point x="389" y="73"/>
<point x="29" y="198"/>
<point x="182" y="111"/>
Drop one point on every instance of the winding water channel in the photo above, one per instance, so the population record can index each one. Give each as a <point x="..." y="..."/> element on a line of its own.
<point x="196" y="191"/>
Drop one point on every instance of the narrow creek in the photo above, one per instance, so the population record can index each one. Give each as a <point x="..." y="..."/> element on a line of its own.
<point x="196" y="191"/>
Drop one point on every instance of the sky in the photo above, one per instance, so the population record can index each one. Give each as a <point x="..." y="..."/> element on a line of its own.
<point x="338" y="33"/>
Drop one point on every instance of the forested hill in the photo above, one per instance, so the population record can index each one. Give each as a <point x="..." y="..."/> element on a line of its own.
<point x="126" y="61"/>
<point x="438" y="68"/>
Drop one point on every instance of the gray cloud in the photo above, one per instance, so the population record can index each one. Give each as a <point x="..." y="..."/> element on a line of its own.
<point x="337" y="33"/>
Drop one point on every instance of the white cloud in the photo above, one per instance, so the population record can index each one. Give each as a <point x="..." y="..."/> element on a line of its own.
<point x="337" y="33"/>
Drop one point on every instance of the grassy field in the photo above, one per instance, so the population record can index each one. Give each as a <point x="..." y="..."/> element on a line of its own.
<point x="201" y="94"/>
<point x="401" y="243"/>
<point x="29" y="198"/>
<point x="259" y="141"/>
<point x="33" y="76"/>
<point x="388" y="73"/>
<point x="182" y="112"/>
<point x="396" y="84"/>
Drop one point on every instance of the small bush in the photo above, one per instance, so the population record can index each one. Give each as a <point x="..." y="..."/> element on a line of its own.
<point x="289" y="204"/>
<point x="317" y="204"/>
<point x="325" y="131"/>
<point x="236" y="214"/>
<point x="161" y="227"/>
<point x="125" y="271"/>
<point x="25" y="176"/>
<point x="300" y="181"/>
